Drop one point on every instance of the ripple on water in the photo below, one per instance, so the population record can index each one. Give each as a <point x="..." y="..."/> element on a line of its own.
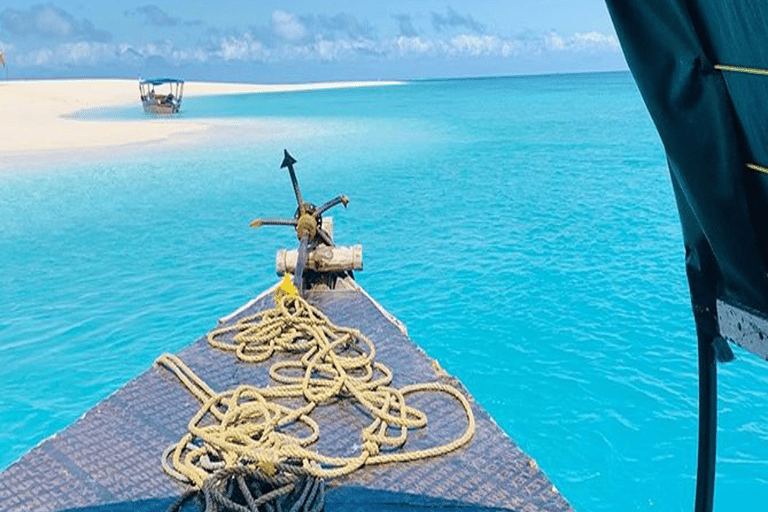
<point x="523" y="229"/>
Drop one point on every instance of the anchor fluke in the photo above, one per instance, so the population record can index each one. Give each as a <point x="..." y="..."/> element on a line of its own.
<point x="333" y="202"/>
<point x="288" y="160"/>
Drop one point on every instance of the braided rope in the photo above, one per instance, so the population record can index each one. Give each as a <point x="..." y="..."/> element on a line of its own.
<point x="240" y="489"/>
<point x="241" y="427"/>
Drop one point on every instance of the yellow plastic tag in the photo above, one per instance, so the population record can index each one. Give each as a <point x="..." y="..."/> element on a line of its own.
<point x="286" y="288"/>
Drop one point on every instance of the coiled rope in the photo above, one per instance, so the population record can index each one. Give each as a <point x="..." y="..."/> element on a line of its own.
<point x="244" y="426"/>
<point x="241" y="489"/>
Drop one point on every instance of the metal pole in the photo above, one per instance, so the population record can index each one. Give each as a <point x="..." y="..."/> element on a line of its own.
<point x="705" y="475"/>
<point x="288" y="162"/>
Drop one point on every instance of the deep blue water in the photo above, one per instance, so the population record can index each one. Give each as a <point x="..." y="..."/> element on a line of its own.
<point x="523" y="228"/>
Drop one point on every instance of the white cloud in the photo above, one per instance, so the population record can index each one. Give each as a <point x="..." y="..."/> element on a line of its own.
<point x="233" y="48"/>
<point x="82" y="53"/>
<point x="164" y="49"/>
<point x="555" y="41"/>
<point x="413" y="45"/>
<point x="589" y="41"/>
<point x="244" y="48"/>
<point x="452" y="19"/>
<point x="492" y="45"/>
<point x="39" y="57"/>
<point x="596" y="40"/>
<point x="193" y="54"/>
<point x="480" y="45"/>
<point x="330" y="50"/>
<point x="326" y="50"/>
<point x="248" y="48"/>
<point x="153" y="15"/>
<point x="49" y="22"/>
<point x="287" y="26"/>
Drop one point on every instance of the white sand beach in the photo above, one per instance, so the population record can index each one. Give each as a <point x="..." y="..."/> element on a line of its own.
<point x="33" y="113"/>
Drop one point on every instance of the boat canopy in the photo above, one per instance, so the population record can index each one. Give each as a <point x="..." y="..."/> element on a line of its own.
<point x="691" y="60"/>
<point x="701" y="67"/>
<point x="161" y="81"/>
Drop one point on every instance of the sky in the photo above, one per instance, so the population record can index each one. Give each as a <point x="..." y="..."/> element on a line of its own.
<point x="301" y="41"/>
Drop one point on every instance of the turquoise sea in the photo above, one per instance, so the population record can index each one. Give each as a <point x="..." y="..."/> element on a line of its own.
<point x="524" y="229"/>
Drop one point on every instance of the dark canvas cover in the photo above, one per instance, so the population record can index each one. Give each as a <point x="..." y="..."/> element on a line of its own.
<point x="712" y="123"/>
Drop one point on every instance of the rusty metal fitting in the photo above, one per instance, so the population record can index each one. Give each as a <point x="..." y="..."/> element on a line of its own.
<point x="306" y="226"/>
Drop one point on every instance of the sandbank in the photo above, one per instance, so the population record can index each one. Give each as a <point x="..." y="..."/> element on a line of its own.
<point x="33" y="113"/>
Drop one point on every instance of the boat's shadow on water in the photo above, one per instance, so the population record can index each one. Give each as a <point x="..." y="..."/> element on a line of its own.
<point x="344" y="499"/>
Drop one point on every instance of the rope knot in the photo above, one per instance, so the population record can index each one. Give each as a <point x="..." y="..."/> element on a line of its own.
<point x="268" y="468"/>
<point x="371" y="447"/>
<point x="306" y="226"/>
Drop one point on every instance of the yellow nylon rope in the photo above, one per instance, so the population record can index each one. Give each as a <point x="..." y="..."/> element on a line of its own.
<point x="741" y="69"/>
<point x="752" y="71"/>
<point x="756" y="167"/>
<point x="244" y="426"/>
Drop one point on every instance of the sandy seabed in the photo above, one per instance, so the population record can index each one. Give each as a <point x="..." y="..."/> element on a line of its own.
<point x="34" y="122"/>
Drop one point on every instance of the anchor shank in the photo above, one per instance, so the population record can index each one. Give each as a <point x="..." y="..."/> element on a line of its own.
<point x="288" y="162"/>
<point x="296" y="187"/>
<point x="301" y="262"/>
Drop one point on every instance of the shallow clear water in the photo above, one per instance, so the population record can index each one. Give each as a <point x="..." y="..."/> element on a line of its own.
<point x="523" y="228"/>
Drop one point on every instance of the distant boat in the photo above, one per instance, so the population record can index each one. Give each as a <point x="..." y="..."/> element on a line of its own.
<point x="166" y="99"/>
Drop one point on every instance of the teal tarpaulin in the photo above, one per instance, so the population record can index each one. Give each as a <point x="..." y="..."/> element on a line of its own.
<point x="712" y="123"/>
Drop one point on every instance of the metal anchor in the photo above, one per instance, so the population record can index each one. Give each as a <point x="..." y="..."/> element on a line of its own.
<point x="307" y="221"/>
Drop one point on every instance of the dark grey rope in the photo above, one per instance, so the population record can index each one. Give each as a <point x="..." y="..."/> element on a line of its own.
<point x="242" y="489"/>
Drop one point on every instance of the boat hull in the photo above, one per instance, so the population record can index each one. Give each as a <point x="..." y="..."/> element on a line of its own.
<point x="156" y="108"/>
<point x="110" y="458"/>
